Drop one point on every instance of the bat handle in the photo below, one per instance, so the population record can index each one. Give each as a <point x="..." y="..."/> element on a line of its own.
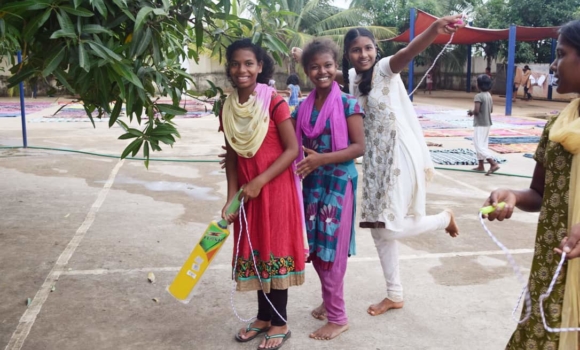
<point x="490" y="209"/>
<point x="235" y="204"/>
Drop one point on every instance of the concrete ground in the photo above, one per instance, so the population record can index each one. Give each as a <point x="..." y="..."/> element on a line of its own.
<point x="80" y="233"/>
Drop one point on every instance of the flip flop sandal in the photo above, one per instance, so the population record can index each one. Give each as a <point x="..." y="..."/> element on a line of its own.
<point x="249" y="328"/>
<point x="284" y="337"/>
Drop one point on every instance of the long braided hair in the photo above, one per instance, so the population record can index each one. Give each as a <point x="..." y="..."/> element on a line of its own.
<point x="367" y="76"/>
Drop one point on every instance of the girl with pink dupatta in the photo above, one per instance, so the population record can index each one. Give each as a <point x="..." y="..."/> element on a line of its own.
<point x="329" y="125"/>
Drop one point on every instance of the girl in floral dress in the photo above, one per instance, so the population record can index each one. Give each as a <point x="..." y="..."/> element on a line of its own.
<point x="329" y="124"/>
<point x="396" y="163"/>
<point x="260" y="149"/>
<point x="555" y="193"/>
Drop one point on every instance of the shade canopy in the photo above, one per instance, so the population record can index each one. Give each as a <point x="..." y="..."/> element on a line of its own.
<point x="473" y="35"/>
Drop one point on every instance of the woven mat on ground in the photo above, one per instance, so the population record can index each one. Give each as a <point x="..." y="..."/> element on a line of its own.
<point x="531" y="132"/>
<point x="517" y="121"/>
<point x="435" y="124"/>
<point x="12" y="109"/>
<point x="76" y="110"/>
<point x="504" y="132"/>
<point x="514" y="148"/>
<point x="447" y="132"/>
<point x="458" y="156"/>
<point x="511" y="140"/>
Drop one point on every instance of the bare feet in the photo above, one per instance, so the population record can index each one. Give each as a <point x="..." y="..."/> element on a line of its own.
<point x="319" y="313"/>
<point x="452" y="228"/>
<point x="244" y="334"/>
<point x="274" y="342"/>
<point x="329" y="331"/>
<point x="384" y="306"/>
<point x="492" y="170"/>
<point x="478" y="169"/>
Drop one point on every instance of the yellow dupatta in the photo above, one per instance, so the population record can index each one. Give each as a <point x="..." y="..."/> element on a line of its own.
<point x="566" y="131"/>
<point x="246" y="124"/>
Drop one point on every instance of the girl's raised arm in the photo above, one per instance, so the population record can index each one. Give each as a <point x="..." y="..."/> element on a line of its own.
<point x="445" y="25"/>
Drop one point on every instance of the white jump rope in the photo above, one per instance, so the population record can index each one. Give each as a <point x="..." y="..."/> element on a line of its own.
<point x="525" y="291"/>
<point x="242" y="214"/>
<point x="465" y="18"/>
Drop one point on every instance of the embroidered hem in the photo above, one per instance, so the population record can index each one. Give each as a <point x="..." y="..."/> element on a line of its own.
<point x="276" y="282"/>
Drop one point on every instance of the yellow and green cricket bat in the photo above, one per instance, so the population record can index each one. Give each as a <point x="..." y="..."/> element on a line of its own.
<point x="202" y="255"/>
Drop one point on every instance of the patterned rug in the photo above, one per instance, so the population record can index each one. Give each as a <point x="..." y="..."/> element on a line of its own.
<point x="468" y="132"/>
<point x="77" y="111"/>
<point x="12" y="109"/>
<point x="511" y="140"/>
<point x="458" y="156"/>
<point x="514" y="148"/>
<point x="447" y="132"/>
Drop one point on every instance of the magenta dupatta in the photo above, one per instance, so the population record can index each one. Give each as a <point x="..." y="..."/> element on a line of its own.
<point x="332" y="109"/>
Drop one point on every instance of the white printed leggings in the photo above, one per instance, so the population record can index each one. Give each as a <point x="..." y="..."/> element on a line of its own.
<point x="386" y="243"/>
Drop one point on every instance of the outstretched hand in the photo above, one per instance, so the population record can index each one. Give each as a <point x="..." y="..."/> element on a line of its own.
<point x="571" y="244"/>
<point x="496" y="197"/>
<point x="449" y="24"/>
<point x="223" y="156"/>
<point x="296" y="54"/>
<point x="307" y="165"/>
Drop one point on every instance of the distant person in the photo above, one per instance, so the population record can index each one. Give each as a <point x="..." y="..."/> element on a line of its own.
<point x="294" y="90"/>
<point x="527" y="81"/>
<point x="482" y="123"/>
<point x="518" y="78"/>
<point x="272" y="83"/>
<point x="488" y="72"/>
<point x="429" y="83"/>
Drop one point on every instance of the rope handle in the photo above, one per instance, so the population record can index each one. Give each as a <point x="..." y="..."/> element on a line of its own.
<point x="490" y="208"/>
<point x="525" y="291"/>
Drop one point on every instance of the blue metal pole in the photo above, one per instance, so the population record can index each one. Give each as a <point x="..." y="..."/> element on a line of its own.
<point x="412" y="63"/>
<point x="22" y="110"/>
<point x="509" y="84"/>
<point x="552" y="58"/>
<point x="468" y="82"/>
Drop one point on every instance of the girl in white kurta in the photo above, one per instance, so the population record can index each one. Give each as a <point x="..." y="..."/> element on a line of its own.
<point x="396" y="163"/>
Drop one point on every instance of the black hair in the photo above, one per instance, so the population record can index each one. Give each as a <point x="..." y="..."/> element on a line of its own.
<point x="292" y="80"/>
<point x="488" y="69"/>
<point x="367" y="77"/>
<point x="484" y="82"/>
<point x="318" y="46"/>
<point x="570" y="34"/>
<point x="261" y="56"/>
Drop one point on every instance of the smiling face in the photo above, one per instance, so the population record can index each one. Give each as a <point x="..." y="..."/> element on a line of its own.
<point x="321" y="70"/>
<point x="362" y="53"/>
<point x="244" y="68"/>
<point x="566" y="68"/>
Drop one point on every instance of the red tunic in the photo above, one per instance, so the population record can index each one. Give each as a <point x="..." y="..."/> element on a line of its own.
<point x="274" y="217"/>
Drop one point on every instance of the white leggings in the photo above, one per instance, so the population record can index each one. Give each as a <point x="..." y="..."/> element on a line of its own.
<point x="386" y="243"/>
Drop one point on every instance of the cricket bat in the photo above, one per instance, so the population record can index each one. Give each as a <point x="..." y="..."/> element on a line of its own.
<point x="202" y="255"/>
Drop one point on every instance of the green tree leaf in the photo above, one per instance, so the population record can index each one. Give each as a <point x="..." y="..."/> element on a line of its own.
<point x="78" y="11"/>
<point x="169" y="109"/>
<point x="141" y="16"/>
<point x="53" y="62"/>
